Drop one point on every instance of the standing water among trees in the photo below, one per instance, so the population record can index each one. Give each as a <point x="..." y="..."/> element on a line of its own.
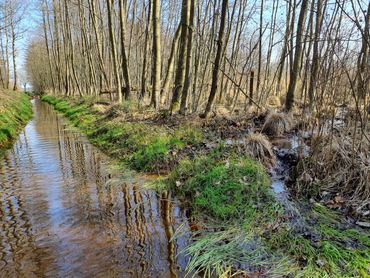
<point x="252" y="116"/>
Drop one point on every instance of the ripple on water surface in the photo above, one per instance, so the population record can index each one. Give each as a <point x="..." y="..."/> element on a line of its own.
<point x="65" y="213"/>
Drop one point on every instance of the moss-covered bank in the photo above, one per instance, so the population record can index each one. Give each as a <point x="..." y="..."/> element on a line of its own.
<point x="15" y="112"/>
<point x="238" y="225"/>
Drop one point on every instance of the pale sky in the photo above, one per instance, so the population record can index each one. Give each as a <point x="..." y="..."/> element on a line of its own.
<point x="29" y="29"/>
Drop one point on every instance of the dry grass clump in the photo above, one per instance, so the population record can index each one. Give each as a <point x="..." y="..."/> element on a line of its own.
<point x="276" y="124"/>
<point x="114" y="111"/>
<point x="340" y="167"/>
<point x="274" y="101"/>
<point x="223" y="111"/>
<point x="259" y="147"/>
<point x="100" y="108"/>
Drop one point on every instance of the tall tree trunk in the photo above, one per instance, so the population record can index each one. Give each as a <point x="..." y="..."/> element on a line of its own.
<point x="146" y="50"/>
<point x="216" y="66"/>
<point x="2" y="84"/>
<point x="113" y="49"/>
<point x="251" y="80"/>
<point x="315" y="56"/>
<point x="189" y="53"/>
<point x="260" y="49"/>
<point x="14" y="55"/>
<point x="94" y="19"/>
<point x="7" y="63"/>
<point x="181" y="66"/>
<point x="171" y="64"/>
<point x="306" y="52"/>
<point x="65" y="51"/>
<point x="288" y="31"/>
<point x="44" y="11"/>
<point x="156" y="53"/>
<point x="2" y="57"/>
<point x="71" y="48"/>
<point x="297" y="56"/>
<point x="363" y="63"/>
<point x="57" y="51"/>
<point x="86" y="40"/>
<point x="125" y="67"/>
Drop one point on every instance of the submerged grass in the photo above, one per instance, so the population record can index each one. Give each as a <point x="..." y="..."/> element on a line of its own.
<point x="15" y="111"/>
<point x="241" y="228"/>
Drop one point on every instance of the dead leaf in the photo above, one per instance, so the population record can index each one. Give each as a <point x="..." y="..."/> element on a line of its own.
<point x="320" y="263"/>
<point x="363" y="224"/>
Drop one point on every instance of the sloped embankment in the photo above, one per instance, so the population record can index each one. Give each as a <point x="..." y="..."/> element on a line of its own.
<point x="15" y="111"/>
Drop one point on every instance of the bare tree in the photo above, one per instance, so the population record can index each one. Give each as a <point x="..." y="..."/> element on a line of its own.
<point x="146" y="50"/>
<point x="315" y="57"/>
<point x="125" y="68"/>
<point x="181" y="63"/>
<point x="216" y="66"/>
<point x="294" y="73"/>
<point x="113" y="49"/>
<point x="156" y="54"/>
<point x="189" y="53"/>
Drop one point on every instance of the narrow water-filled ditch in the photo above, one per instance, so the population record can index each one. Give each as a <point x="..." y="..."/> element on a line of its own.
<point x="66" y="212"/>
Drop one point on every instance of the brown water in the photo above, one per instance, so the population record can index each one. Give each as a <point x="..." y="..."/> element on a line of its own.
<point x="66" y="212"/>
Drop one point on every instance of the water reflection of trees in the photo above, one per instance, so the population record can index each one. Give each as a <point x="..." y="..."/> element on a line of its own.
<point x="166" y="207"/>
<point x="19" y="253"/>
<point x="106" y="221"/>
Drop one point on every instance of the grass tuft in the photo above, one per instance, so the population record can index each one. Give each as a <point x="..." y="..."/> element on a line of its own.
<point x="259" y="147"/>
<point x="338" y="167"/>
<point x="276" y="124"/>
<point x="223" y="188"/>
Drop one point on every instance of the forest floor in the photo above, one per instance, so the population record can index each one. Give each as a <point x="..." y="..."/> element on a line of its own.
<point x="259" y="207"/>
<point x="15" y="112"/>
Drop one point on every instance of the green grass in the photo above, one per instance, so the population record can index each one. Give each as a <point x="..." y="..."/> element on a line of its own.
<point x="141" y="146"/>
<point x="78" y="113"/>
<point x="223" y="189"/>
<point x="323" y="249"/>
<point x="280" y="251"/>
<point x="15" y="111"/>
<point x="146" y="158"/>
<point x="232" y="194"/>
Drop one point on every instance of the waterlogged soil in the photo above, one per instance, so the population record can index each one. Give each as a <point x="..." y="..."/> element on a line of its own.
<point x="66" y="212"/>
